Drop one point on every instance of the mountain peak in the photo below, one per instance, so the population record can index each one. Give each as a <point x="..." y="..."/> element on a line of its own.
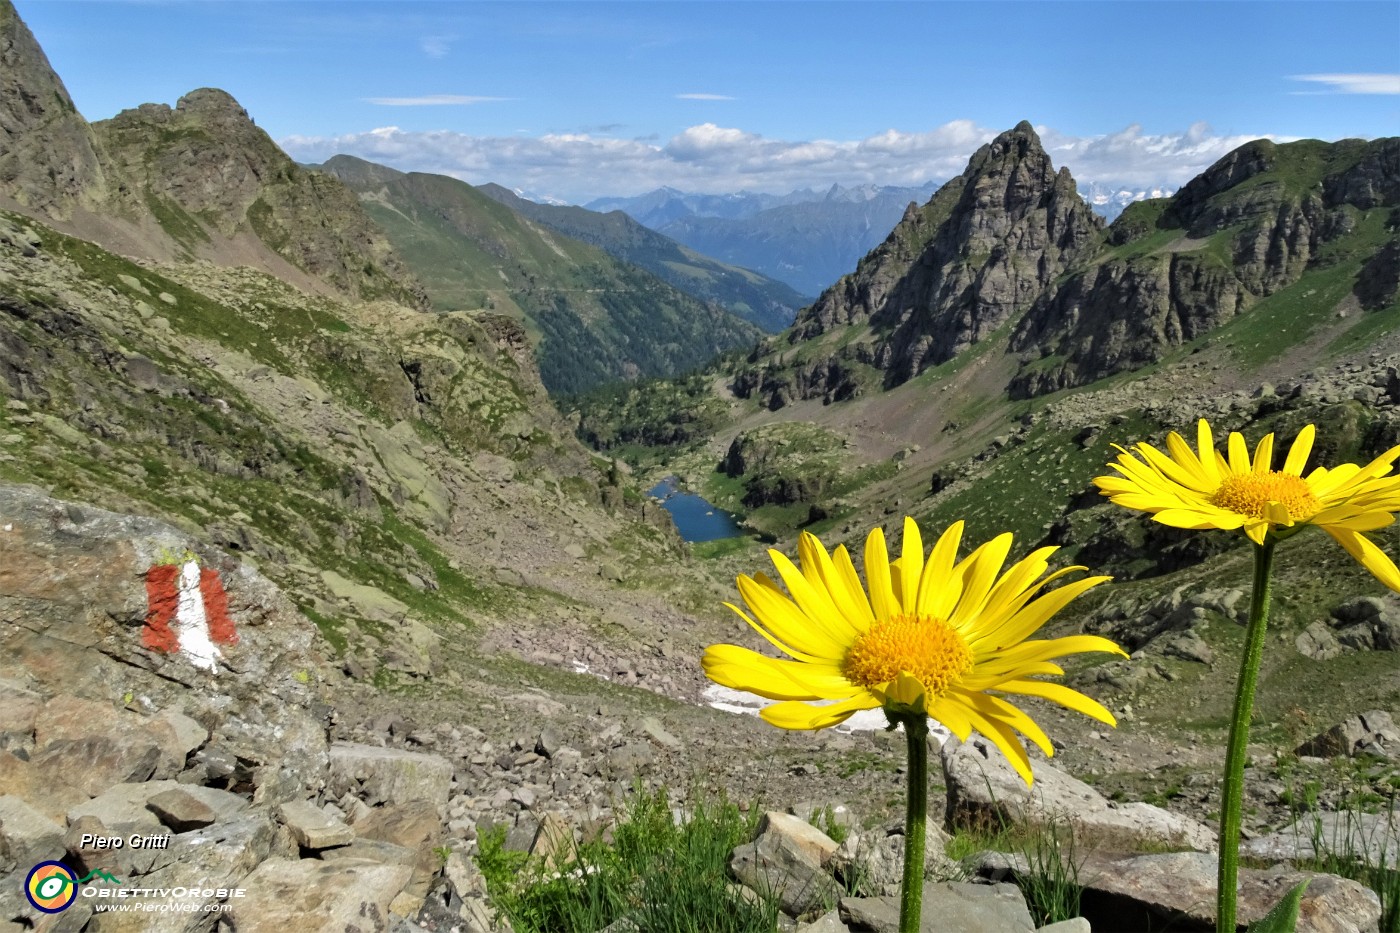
<point x="212" y="100"/>
<point x="1010" y="208"/>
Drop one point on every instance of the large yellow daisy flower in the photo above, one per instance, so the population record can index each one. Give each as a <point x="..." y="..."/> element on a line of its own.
<point x="1202" y="488"/>
<point x="932" y="637"/>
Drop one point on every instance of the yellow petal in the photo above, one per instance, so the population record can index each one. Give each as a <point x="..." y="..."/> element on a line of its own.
<point x="1204" y="517"/>
<point x="770" y="638"/>
<point x="1298" y="453"/>
<point x="1000" y="735"/>
<point x="814" y="602"/>
<point x="1059" y="693"/>
<point x="843" y="588"/>
<point x="1205" y="449"/>
<point x="940" y="588"/>
<point x="980" y="571"/>
<point x="1264" y="454"/>
<point x="1239" y="454"/>
<point x="877" y="576"/>
<point x="952" y="712"/>
<point x="1364" y="550"/>
<point x="911" y="565"/>
<point x="1030" y="619"/>
<point x="905" y="690"/>
<point x="743" y="669"/>
<point x="781" y="616"/>
<point x="798" y="716"/>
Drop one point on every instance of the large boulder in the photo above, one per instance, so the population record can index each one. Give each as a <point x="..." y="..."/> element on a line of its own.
<point x="389" y="775"/>
<point x="1177" y="891"/>
<point x="984" y="790"/>
<point x="1370" y="733"/>
<point x="87" y="632"/>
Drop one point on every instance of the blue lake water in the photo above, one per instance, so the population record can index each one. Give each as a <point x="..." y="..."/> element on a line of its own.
<point x="695" y="518"/>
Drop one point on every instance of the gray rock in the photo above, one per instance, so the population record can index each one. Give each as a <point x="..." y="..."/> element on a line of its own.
<point x="1345" y="833"/>
<point x="388" y="775"/>
<point x="829" y="922"/>
<point x="1317" y="642"/>
<point x="983" y="789"/>
<point x="1373" y="732"/>
<point x="312" y="827"/>
<point x="1072" y="925"/>
<point x="349" y="896"/>
<point x="122" y="808"/>
<point x="628" y="760"/>
<point x="658" y="734"/>
<point x="947" y="906"/>
<point x="775" y="864"/>
<point x="181" y="810"/>
<point x="26" y="835"/>
<point x="1177" y="891"/>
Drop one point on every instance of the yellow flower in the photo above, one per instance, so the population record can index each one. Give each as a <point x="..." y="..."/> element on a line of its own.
<point x="1201" y="488"/>
<point x="932" y="637"/>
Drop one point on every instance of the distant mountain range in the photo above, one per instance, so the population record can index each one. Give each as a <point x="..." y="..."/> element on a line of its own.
<point x="807" y="238"/>
<point x="1108" y="201"/>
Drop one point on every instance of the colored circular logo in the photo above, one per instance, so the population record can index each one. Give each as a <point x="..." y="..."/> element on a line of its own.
<point x="51" y="887"/>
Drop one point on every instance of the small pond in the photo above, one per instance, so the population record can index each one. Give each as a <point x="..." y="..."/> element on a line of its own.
<point x="695" y="518"/>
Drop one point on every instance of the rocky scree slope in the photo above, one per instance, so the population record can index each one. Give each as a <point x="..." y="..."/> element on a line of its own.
<point x="197" y="181"/>
<point x="594" y="318"/>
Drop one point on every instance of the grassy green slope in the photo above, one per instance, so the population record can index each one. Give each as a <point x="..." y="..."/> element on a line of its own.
<point x="763" y="301"/>
<point x="594" y="319"/>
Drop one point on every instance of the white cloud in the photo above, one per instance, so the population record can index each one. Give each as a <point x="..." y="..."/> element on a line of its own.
<point x="436" y="46"/>
<point x="1354" y="83"/>
<point x="1132" y="158"/>
<point x="431" y="100"/>
<point x="716" y="159"/>
<point x="703" y="97"/>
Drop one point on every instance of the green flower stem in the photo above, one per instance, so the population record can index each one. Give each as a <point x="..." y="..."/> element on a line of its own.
<point x="1232" y="788"/>
<point x="911" y="894"/>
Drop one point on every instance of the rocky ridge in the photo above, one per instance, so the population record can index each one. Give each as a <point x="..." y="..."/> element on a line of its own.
<point x="1246" y="229"/>
<point x="199" y="180"/>
<point x="1009" y="251"/>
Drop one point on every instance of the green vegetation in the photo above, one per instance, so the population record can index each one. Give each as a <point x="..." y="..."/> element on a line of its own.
<point x="594" y="318"/>
<point x="664" y="875"/>
<point x="756" y="298"/>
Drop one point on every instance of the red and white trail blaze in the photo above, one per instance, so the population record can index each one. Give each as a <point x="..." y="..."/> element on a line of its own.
<point x="187" y="613"/>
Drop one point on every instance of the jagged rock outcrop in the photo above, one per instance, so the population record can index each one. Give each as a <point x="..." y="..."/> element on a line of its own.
<point x="951" y="273"/>
<point x="205" y="170"/>
<point x="196" y="181"/>
<point x="1247" y="228"/>
<point x="48" y="163"/>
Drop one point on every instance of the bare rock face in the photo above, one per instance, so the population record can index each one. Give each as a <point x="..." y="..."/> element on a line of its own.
<point x="1246" y="228"/>
<point x="48" y="162"/>
<point x="953" y="271"/>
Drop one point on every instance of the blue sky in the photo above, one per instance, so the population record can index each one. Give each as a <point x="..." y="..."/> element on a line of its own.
<point x="583" y="99"/>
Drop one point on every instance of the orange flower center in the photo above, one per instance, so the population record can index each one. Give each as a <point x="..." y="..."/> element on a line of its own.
<point x="1249" y="493"/>
<point x="927" y="648"/>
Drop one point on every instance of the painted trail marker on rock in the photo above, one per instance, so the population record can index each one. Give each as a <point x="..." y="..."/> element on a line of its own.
<point x="187" y="613"/>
